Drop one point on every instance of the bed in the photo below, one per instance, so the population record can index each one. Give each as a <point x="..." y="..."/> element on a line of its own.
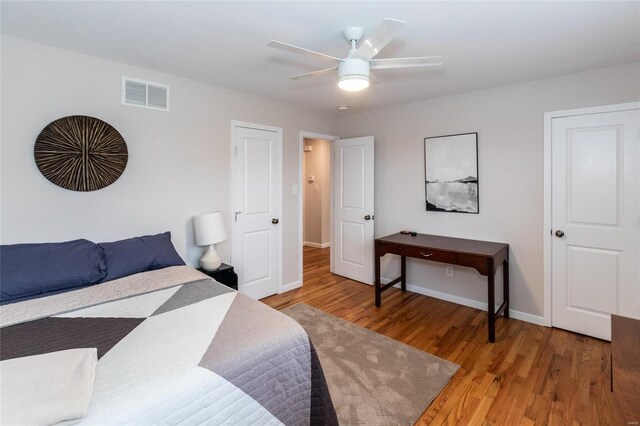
<point x="176" y="347"/>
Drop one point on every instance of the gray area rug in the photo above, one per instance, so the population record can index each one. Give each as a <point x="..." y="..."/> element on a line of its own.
<point x="373" y="380"/>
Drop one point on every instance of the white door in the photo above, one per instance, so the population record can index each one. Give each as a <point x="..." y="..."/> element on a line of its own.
<point x="596" y="220"/>
<point x="256" y="245"/>
<point x="353" y="209"/>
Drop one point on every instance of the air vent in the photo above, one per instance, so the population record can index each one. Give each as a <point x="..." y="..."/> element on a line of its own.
<point x="145" y="94"/>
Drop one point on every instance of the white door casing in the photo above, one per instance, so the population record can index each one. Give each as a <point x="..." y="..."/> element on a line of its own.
<point x="353" y="239"/>
<point x="595" y="198"/>
<point x="257" y="203"/>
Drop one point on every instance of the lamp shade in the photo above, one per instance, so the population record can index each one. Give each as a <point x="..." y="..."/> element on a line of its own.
<point x="209" y="228"/>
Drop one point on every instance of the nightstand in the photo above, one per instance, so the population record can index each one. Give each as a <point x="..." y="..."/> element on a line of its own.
<point x="224" y="275"/>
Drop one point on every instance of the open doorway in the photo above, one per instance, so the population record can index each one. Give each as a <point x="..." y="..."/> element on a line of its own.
<point x="315" y="200"/>
<point x="350" y="237"/>
<point x="316" y="194"/>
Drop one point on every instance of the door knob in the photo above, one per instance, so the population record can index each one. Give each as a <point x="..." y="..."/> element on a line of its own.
<point x="275" y="221"/>
<point x="559" y="234"/>
<point x="367" y="217"/>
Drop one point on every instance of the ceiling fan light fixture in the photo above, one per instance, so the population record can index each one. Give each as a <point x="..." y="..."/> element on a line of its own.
<point x="353" y="83"/>
<point x="353" y="71"/>
<point x="354" y="75"/>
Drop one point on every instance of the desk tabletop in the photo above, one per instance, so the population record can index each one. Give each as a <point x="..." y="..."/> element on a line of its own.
<point x="454" y="245"/>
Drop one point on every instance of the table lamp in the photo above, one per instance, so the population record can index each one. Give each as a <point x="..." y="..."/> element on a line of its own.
<point x="209" y="230"/>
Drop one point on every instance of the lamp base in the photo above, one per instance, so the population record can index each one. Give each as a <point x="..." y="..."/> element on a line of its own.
<point x="210" y="261"/>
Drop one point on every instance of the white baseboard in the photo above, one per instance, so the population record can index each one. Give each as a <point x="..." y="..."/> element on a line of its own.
<point x="316" y="245"/>
<point x="291" y="286"/>
<point x="523" y="316"/>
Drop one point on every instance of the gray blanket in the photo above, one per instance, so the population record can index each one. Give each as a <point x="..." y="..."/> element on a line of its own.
<point x="176" y="347"/>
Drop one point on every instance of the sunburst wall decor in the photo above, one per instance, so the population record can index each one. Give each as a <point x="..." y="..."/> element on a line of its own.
<point x="80" y="153"/>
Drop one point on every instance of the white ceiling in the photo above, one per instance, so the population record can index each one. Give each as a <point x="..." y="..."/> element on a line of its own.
<point x="488" y="44"/>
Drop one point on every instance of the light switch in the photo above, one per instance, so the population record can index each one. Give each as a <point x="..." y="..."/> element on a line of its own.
<point x="294" y="189"/>
<point x="315" y="187"/>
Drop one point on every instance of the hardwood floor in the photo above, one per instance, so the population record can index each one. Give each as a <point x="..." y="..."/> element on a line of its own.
<point x="531" y="375"/>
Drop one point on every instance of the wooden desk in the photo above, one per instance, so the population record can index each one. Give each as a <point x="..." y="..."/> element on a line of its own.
<point x="483" y="256"/>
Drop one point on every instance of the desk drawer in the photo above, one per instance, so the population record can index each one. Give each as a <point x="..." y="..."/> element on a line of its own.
<point x="427" y="254"/>
<point x="383" y="247"/>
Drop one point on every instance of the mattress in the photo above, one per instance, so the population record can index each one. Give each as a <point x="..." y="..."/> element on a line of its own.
<point x="176" y="347"/>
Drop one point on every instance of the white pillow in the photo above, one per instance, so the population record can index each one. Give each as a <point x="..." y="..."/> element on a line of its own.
<point x="47" y="389"/>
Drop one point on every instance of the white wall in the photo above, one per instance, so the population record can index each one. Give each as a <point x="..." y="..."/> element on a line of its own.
<point x="317" y="195"/>
<point x="179" y="161"/>
<point x="509" y="122"/>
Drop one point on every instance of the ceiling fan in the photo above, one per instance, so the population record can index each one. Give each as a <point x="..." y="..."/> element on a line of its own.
<point x="354" y="70"/>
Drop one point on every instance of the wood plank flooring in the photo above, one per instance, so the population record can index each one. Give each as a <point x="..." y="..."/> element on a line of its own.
<point x="532" y="375"/>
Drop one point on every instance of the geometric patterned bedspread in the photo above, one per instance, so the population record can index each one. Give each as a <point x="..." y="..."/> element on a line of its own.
<point x="176" y="347"/>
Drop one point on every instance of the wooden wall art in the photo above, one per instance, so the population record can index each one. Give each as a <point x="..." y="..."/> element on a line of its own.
<point x="80" y="153"/>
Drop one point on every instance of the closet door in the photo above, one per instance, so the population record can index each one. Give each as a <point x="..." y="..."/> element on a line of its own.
<point x="596" y="220"/>
<point x="257" y="186"/>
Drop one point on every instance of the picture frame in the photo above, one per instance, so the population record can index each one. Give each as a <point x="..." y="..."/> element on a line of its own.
<point x="451" y="173"/>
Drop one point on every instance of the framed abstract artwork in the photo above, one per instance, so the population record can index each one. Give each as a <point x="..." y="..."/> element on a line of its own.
<point x="451" y="173"/>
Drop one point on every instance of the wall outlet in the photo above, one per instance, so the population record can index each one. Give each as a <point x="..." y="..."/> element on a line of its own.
<point x="449" y="270"/>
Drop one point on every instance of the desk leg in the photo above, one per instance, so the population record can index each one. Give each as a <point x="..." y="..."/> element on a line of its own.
<point x="403" y="272"/>
<point x="377" y="280"/>
<point x="491" y="311"/>
<point x="505" y="286"/>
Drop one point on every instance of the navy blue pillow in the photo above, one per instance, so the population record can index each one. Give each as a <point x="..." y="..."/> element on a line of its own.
<point x="139" y="254"/>
<point x="28" y="271"/>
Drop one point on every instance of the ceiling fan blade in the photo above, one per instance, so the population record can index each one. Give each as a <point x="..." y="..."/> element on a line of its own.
<point x="313" y="73"/>
<point x="378" y="39"/>
<point x="302" y="51"/>
<point x="422" y="61"/>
